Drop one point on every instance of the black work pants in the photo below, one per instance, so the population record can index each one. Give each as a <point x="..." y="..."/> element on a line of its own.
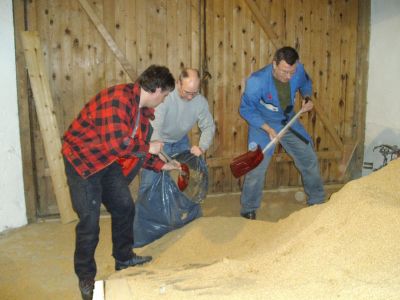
<point x="110" y="187"/>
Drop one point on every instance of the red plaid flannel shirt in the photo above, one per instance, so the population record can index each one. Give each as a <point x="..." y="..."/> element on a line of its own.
<point x="102" y="132"/>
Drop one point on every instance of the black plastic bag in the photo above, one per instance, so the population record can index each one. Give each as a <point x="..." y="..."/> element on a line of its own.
<point x="163" y="207"/>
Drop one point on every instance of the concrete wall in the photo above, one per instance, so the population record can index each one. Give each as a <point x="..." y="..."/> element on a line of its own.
<point x="383" y="100"/>
<point x="12" y="200"/>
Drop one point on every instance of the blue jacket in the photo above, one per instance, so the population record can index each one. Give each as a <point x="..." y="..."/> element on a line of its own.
<point x="260" y="103"/>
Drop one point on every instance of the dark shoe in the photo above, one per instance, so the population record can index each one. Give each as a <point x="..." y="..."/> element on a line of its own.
<point x="86" y="286"/>
<point x="317" y="203"/>
<point x="250" y="215"/>
<point x="135" y="260"/>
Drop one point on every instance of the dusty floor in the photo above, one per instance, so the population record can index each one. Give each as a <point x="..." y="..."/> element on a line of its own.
<point x="36" y="260"/>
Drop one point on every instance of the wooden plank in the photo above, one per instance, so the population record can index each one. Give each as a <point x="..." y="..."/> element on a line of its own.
<point x="160" y="29"/>
<point x="119" y="35"/>
<point x="363" y="37"/>
<point x="108" y="38"/>
<point x="195" y="43"/>
<point x="228" y="71"/>
<point x="247" y="59"/>
<point x="207" y="67"/>
<point x="219" y="88"/>
<point x="131" y="33"/>
<point x="279" y="157"/>
<point x="193" y="14"/>
<point x="183" y="34"/>
<point x="351" y="15"/>
<point x="240" y="52"/>
<point x="24" y="117"/>
<point x="46" y="200"/>
<point x="218" y="71"/>
<point x="48" y="123"/>
<point x="333" y="93"/>
<point x="172" y="28"/>
<point x="142" y="37"/>
<point x="110" y="61"/>
<point x="73" y="64"/>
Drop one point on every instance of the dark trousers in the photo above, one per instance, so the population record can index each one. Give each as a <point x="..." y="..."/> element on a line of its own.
<point x="110" y="187"/>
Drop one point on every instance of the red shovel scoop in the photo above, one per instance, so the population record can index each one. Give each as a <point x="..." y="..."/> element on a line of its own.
<point x="248" y="161"/>
<point x="183" y="178"/>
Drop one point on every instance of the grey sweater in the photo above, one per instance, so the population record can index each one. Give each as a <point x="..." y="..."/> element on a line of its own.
<point x="175" y="117"/>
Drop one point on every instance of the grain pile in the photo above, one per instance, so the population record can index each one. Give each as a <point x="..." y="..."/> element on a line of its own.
<point x="347" y="248"/>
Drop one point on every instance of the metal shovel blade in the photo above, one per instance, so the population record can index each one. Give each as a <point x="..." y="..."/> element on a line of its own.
<point x="246" y="162"/>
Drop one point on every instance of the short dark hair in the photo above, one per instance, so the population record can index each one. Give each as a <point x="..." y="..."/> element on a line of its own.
<point x="288" y="54"/>
<point x="156" y="77"/>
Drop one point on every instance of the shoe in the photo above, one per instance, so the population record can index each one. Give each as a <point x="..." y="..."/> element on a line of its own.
<point x="251" y="215"/>
<point x="135" y="260"/>
<point x="86" y="286"/>
<point x="317" y="203"/>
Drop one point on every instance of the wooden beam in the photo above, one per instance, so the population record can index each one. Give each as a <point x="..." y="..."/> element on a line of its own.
<point x="269" y="31"/>
<point x="24" y="107"/>
<point x="348" y="153"/>
<point x="280" y="157"/>
<point x="47" y="122"/>
<point x="329" y="126"/>
<point x="360" y="103"/>
<point x="109" y="40"/>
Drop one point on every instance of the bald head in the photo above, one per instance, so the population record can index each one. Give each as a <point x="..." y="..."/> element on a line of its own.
<point x="189" y="83"/>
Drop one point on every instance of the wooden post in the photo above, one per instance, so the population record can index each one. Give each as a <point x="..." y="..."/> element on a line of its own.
<point x="47" y="122"/>
<point x="25" y="118"/>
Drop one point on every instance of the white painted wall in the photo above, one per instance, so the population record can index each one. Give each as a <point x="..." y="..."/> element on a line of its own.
<point x="383" y="100"/>
<point x="12" y="200"/>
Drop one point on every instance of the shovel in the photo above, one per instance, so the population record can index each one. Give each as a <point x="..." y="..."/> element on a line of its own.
<point x="246" y="162"/>
<point x="183" y="178"/>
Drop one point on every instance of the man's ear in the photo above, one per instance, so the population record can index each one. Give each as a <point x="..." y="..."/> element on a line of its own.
<point x="274" y="64"/>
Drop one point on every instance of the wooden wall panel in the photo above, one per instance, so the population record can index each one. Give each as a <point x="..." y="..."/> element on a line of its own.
<point x="222" y="37"/>
<point x="80" y="63"/>
<point x="325" y="34"/>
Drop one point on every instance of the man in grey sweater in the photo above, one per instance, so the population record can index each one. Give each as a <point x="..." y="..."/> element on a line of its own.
<point x="176" y="116"/>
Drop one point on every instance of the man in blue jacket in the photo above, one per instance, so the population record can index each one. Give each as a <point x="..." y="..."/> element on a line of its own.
<point x="267" y="105"/>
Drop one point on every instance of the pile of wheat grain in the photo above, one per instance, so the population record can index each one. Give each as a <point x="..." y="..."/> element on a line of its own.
<point x="347" y="248"/>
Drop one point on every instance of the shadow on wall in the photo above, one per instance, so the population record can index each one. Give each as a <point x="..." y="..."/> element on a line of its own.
<point x="374" y="159"/>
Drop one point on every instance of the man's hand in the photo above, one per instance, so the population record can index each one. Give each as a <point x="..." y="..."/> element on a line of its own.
<point x="196" y="150"/>
<point x="271" y="132"/>
<point x="172" y="165"/>
<point x="307" y="104"/>
<point x="155" y="147"/>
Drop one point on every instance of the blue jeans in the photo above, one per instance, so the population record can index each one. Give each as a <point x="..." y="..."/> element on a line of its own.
<point x="306" y="162"/>
<point x="147" y="176"/>
<point x="110" y="187"/>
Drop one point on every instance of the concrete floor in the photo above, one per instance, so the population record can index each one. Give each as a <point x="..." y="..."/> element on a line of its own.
<point x="36" y="261"/>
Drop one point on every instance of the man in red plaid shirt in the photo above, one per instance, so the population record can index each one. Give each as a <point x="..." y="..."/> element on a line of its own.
<point x="104" y="148"/>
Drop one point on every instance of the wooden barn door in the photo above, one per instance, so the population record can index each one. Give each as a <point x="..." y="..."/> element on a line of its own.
<point x="80" y="63"/>
<point x="241" y="37"/>
<point x="226" y="39"/>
